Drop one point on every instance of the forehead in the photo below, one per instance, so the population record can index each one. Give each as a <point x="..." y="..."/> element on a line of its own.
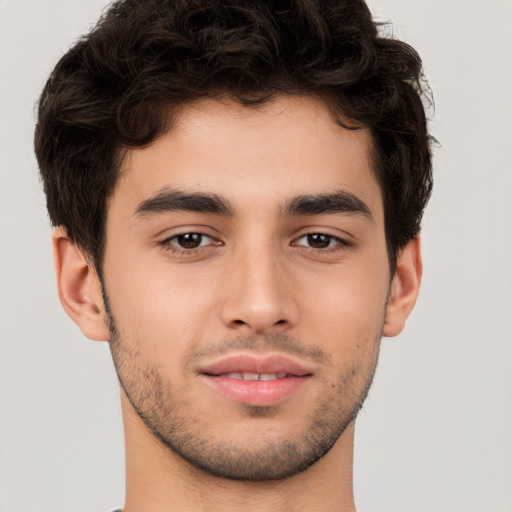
<point x="287" y="147"/>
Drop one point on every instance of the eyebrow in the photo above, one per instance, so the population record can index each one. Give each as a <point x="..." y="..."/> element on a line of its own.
<point x="337" y="202"/>
<point x="175" y="200"/>
<point x="311" y="204"/>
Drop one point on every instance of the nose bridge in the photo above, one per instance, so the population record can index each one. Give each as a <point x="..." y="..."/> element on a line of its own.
<point x="257" y="289"/>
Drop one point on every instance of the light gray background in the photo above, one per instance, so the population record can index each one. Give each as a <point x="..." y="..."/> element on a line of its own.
<point x="436" y="432"/>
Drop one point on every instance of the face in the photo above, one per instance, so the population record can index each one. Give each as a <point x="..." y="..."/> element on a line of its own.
<point x="247" y="281"/>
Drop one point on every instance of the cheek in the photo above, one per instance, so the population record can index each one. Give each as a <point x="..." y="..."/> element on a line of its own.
<point x="348" y="309"/>
<point x="165" y="308"/>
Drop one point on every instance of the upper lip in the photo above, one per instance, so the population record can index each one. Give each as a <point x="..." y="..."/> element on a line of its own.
<point x="254" y="363"/>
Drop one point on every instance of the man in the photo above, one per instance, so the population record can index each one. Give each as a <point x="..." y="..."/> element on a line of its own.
<point x="237" y="190"/>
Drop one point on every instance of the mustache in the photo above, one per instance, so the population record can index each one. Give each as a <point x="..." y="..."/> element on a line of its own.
<point x="267" y="342"/>
<point x="274" y="341"/>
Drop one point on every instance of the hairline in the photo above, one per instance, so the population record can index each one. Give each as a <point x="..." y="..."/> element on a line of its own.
<point x="325" y="98"/>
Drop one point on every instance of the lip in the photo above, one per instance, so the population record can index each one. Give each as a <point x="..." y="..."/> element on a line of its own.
<point x="255" y="363"/>
<point x="256" y="392"/>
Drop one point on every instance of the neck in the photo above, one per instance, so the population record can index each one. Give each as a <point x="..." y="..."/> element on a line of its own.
<point x="159" y="480"/>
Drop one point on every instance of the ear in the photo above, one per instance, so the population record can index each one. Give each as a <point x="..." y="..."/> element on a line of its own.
<point x="404" y="288"/>
<point x="79" y="287"/>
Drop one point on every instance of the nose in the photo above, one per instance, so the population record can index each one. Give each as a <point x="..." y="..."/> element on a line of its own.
<point x="259" y="292"/>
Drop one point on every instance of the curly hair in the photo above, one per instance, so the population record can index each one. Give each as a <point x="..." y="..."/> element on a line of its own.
<point x="119" y="85"/>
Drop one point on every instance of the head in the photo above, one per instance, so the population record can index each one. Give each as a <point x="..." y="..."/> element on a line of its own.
<point x="239" y="122"/>
<point x="121" y="86"/>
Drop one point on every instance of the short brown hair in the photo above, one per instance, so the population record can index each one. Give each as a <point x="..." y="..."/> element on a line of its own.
<point x="117" y="86"/>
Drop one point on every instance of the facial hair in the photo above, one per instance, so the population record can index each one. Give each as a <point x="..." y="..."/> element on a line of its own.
<point x="172" y="419"/>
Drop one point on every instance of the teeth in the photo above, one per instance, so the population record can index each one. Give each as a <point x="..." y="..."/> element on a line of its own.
<point x="256" y="376"/>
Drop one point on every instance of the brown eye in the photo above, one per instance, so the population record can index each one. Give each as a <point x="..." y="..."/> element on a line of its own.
<point x="189" y="241"/>
<point x="319" y="241"/>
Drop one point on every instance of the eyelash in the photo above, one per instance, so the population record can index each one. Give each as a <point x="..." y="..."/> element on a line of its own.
<point x="183" y="251"/>
<point x="340" y="243"/>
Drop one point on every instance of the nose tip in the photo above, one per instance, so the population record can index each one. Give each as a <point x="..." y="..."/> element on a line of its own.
<point x="258" y="296"/>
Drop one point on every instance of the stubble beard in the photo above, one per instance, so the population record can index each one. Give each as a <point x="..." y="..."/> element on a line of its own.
<point x="170" y="419"/>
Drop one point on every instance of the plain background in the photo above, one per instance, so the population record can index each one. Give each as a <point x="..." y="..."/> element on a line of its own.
<point x="436" y="432"/>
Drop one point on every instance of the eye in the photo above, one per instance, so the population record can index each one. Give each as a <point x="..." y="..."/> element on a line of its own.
<point x="188" y="241"/>
<point x="320" y="241"/>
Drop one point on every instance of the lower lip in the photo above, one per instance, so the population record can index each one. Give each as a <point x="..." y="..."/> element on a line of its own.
<point x="258" y="393"/>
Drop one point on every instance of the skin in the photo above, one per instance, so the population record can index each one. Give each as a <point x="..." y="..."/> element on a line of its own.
<point x="260" y="282"/>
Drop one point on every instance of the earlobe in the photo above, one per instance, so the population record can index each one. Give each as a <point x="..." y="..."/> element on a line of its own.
<point x="79" y="287"/>
<point x="404" y="288"/>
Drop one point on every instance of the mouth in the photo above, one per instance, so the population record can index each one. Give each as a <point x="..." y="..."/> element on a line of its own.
<point x="256" y="380"/>
<point x="254" y="376"/>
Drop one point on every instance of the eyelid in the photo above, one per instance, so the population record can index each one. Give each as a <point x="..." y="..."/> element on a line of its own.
<point x="169" y="246"/>
<point x="342" y="243"/>
<point x="176" y="235"/>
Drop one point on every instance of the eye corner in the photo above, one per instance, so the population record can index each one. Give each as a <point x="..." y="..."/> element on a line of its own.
<point x="321" y="241"/>
<point x="188" y="243"/>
